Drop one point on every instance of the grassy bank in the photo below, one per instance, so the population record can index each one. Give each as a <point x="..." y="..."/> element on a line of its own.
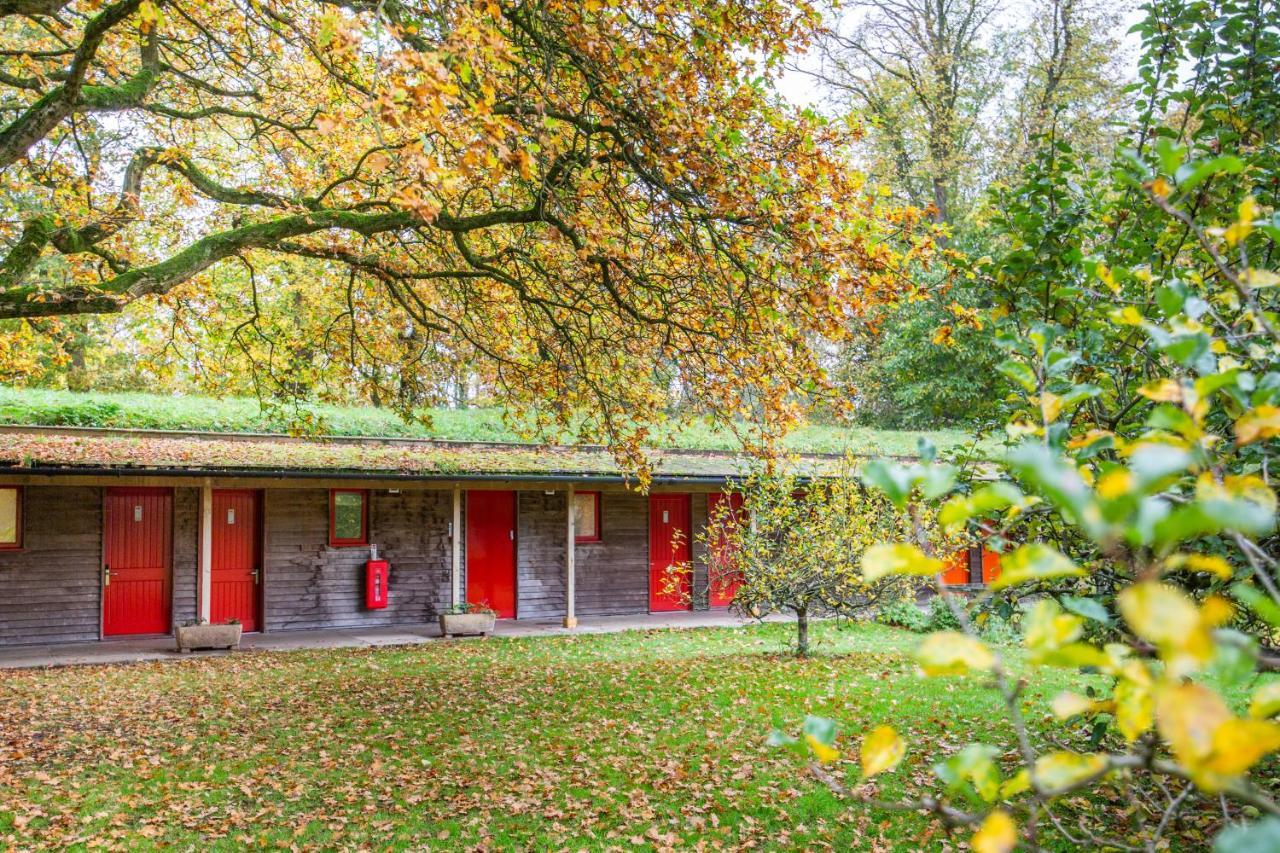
<point x="155" y="411"/>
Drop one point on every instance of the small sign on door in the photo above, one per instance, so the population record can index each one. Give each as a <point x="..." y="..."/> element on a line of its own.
<point x="666" y="517"/>
<point x="231" y="516"/>
<point x="137" y="512"/>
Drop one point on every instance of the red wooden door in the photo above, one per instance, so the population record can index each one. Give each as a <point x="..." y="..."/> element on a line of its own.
<point x="668" y="547"/>
<point x="137" y="549"/>
<point x="491" y="551"/>
<point x="235" y="573"/>
<point x="956" y="568"/>
<point x="727" y="512"/>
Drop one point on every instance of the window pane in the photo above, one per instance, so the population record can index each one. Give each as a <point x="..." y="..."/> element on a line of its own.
<point x="348" y="516"/>
<point x="8" y="516"/>
<point x="585" y="523"/>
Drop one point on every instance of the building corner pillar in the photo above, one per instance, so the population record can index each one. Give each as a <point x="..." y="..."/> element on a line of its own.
<point x="570" y="569"/>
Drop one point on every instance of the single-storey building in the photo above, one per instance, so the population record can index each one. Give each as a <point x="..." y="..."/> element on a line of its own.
<point x="109" y="533"/>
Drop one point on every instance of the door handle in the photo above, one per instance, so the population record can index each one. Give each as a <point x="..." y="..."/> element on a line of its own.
<point x="255" y="575"/>
<point x="106" y="575"/>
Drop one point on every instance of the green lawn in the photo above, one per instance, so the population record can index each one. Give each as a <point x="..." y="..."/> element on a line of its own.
<point x="639" y="740"/>
<point x="156" y="411"/>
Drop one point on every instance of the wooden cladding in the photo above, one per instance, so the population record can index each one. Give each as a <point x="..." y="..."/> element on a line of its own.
<point x="10" y="518"/>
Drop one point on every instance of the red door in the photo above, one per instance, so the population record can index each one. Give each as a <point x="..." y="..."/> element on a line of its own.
<point x="725" y="511"/>
<point x="668" y="547"/>
<point x="236" y="570"/>
<point x="137" y="547"/>
<point x="491" y="551"/>
<point x="956" y="568"/>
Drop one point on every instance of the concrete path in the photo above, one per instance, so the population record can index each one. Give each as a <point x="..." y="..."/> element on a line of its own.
<point x="162" y="648"/>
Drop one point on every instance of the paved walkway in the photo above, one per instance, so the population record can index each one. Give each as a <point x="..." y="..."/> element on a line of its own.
<point x="162" y="648"/>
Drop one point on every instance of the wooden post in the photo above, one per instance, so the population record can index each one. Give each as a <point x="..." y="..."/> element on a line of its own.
<point x="456" y="543"/>
<point x="570" y="585"/>
<point x="206" y="549"/>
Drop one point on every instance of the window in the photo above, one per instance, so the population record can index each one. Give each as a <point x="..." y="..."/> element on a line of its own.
<point x="586" y="516"/>
<point x="10" y="518"/>
<point x="348" y="517"/>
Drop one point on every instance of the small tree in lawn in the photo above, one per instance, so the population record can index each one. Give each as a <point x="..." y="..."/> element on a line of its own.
<point x="795" y="545"/>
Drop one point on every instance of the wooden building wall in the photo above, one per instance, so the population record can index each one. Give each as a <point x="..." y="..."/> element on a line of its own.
<point x="541" y="525"/>
<point x="612" y="575"/>
<point x="51" y="590"/>
<point x="312" y="585"/>
<point x="186" y="554"/>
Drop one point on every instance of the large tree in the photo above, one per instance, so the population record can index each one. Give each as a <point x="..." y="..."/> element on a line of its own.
<point x="570" y="192"/>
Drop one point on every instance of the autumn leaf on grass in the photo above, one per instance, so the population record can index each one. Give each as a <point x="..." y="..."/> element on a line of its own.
<point x="1034" y="562"/>
<point x="953" y="653"/>
<point x="996" y="835"/>
<point x="880" y="561"/>
<point x="882" y="749"/>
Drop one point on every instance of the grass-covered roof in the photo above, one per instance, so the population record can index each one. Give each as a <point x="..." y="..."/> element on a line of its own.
<point x="243" y="415"/>
<point x="72" y="450"/>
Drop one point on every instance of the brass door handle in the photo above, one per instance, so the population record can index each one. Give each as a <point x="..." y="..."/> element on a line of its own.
<point x="255" y="576"/>
<point x="106" y="576"/>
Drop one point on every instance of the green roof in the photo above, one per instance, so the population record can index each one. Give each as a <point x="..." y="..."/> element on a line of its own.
<point x="69" y="450"/>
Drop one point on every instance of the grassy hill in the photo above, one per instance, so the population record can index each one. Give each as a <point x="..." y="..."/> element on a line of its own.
<point x="158" y="411"/>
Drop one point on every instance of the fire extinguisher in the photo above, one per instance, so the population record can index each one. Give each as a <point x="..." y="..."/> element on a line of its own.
<point x="376" y="572"/>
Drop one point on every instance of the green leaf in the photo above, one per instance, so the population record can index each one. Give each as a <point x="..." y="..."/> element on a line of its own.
<point x="1034" y="562"/>
<point x="821" y="729"/>
<point x="1211" y="516"/>
<point x="936" y="480"/>
<point x="1089" y="608"/>
<point x="1193" y="174"/>
<point x="974" y="764"/>
<point x="1260" y="837"/>
<point x="892" y="479"/>
<point x="990" y="498"/>
<point x="1151" y="463"/>
<point x="1259" y="602"/>
<point x="1235" y="655"/>
<point x="1060" y="482"/>
<point x="1019" y="373"/>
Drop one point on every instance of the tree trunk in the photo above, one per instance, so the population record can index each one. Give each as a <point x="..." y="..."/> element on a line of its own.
<point x="802" y="632"/>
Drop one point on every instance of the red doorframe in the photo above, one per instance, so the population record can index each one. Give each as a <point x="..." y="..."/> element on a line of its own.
<point x="721" y="557"/>
<point x="669" y="517"/>
<point x="137" y="561"/>
<point x="235" y="572"/>
<point x="491" y="550"/>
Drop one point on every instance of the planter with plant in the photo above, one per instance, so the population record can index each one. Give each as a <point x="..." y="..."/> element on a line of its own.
<point x="199" y="634"/>
<point x="467" y="619"/>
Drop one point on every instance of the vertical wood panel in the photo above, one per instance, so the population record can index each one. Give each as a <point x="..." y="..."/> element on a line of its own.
<point x="312" y="585"/>
<point x="186" y="544"/>
<point x="613" y="574"/>
<point x="540" y="563"/>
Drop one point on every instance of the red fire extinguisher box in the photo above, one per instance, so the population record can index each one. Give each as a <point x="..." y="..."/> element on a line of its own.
<point x="375" y="584"/>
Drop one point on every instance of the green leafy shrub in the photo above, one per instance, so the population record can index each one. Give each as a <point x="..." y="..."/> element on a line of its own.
<point x="904" y="613"/>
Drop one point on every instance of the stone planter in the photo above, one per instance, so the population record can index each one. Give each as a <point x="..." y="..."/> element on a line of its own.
<point x="208" y="637"/>
<point x="460" y="624"/>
